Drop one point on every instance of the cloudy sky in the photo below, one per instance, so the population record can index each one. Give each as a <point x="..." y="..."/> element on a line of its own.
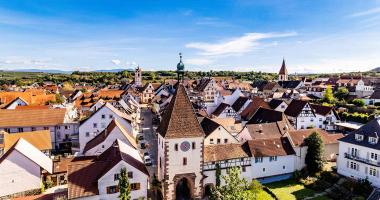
<point x="242" y="35"/>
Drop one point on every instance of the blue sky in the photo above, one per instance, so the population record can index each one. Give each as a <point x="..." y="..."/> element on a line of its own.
<point x="242" y="35"/>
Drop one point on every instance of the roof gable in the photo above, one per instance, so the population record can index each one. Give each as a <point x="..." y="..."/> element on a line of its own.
<point x="179" y="120"/>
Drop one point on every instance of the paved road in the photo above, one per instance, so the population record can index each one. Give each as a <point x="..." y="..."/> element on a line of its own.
<point x="150" y="139"/>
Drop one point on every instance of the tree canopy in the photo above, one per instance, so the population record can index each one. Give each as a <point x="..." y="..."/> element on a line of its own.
<point x="314" y="156"/>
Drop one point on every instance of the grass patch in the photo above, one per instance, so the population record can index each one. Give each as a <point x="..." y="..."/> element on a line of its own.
<point x="263" y="195"/>
<point x="290" y="189"/>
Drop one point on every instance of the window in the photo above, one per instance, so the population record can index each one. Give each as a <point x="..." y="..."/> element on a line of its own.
<point x="46" y="128"/>
<point x="225" y="141"/>
<point x="243" y="169"/>
<point x="176" y="147"/>
<point x="112" y="189"/>
<point x="373" y="156"/>
<point x="218" y="141"/>
<point x="258" y="159"/>
<point x="34" y="128"/>
<point x="312" y="119"/>
<point x="103" y="125"/>
<point x="193" y="145"/>
<point x="359" y="137"/>
<point x="283" y="167"/>
<point x="263" y="169"/>
<point x="354" y="166"/>
<point x="272" y="158"/>
<point x="320" y="126"/>
<point x="135" y="186"/>
<point x="211" y="141"/>
<point x="354" y="152"/>
<point x="320" y="119"/>
<point x="116" y="177"/>
<point x="20" y="129"/>
<point x="130" y="174"/>
<point x="67" y="127"/>
<point x="372" y="140"/>
<point x="95" y="125"/>
<point x="372" y="171"/>
<point x="185" y="161"/>
<point x="87" y="134"/>
<point x="110" y="116"/>
<point x="103" y="116"/>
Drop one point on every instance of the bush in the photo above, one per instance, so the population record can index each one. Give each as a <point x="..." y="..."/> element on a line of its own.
<point x="358" y="102"/>
<point x="377" y="104"/>
<point x="329" y="177"/>
<point x="362" y="187"/>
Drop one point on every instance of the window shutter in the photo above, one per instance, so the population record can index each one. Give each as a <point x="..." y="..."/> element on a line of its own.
<point x="367" y="155"/>
<point x="366" y="170"/>
<point x="137" y="186"/>
<point x="348" y="164"/>
<point x="348" y="150"/>
<point x="377" y="173"/>
<point x="357" y="167"/>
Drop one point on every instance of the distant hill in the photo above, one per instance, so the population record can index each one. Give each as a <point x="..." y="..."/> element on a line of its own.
<point x="377" y="69"/>
<point x="57" y="71"/>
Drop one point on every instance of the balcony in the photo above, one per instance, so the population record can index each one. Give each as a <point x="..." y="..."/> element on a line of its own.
<point x="362" y="160"/>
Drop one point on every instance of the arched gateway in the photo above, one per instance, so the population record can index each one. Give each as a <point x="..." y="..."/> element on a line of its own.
<point x="183" y="190"/>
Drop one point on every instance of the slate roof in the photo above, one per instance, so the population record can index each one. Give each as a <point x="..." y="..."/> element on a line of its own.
<point x="295" y="107"/>
<point x="270" y="147"/>
<point x="221" y="152"/>
<point x="270" y="86"/>
<point x="265" y="115"/>
<point x="209" y="126"/>
<point x="274" y="103"/>
<point x="220" y="109"/>
<point x="289" y="84"/>
<point x="239" y="103"/>
<point x="252" y="107"/>
<point x="179" y="119"/>
<point x="375" y="95"/>
<point x="259" y="85"/>
<point x="371" y="129"/>
<point x="202" y="84"/>
<point x="323" y="110"/>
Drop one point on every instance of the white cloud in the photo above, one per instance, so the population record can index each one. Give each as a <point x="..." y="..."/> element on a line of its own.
<point x="116" y="61"/>
<point x="372" y="11"/>
<point x="235" y="46"/>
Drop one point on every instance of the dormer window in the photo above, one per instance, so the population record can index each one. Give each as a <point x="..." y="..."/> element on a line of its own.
<point x="372" y="140"/>
<point x="359" y="137"/>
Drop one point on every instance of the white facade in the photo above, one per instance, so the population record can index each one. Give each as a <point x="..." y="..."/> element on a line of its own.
<point x="277" y="165"/>
<point x="138" y="177"/>
<point x="359" y="162"/>
<point x="97" y="122"/>
<point x="220" y="136"/>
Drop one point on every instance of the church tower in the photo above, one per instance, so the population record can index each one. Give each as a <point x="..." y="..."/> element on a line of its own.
<point x="180" y="68"/>
<point x="283" y="74"/>
<point x="180" y="149"/>
<point x="138" y="77"/>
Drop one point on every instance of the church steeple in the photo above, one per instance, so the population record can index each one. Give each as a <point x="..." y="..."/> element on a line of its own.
<point x="283" y="73"/>
<point x="180" y="68"/>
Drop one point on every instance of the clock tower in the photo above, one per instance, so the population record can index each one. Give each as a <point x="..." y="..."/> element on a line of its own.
<point x="180" y="149"/>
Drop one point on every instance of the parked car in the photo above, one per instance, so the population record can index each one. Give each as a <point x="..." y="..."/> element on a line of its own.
<point x="147" y="161"/>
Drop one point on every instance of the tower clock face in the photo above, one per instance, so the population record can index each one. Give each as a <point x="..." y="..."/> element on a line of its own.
<point x="185" y="146"/>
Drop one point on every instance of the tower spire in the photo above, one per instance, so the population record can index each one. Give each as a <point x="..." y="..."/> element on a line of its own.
<point x="180" y="68"/>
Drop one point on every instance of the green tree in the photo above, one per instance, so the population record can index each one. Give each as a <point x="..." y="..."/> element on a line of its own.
<point x="218" y="174"/>
<point x="124" y="186"/>
<point x="255" y="187"/>
<point x="235" y="188"/>
<point x="328" y="96"/>
<point x="314" y="156"/>
<point x="358" y="102"/>
<point x="59" y="98"/>
<point x="341" y="93"/>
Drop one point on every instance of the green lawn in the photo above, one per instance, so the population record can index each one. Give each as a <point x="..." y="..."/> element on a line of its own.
<point x="263" y="195"/>
<point x="289" y="190"/>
